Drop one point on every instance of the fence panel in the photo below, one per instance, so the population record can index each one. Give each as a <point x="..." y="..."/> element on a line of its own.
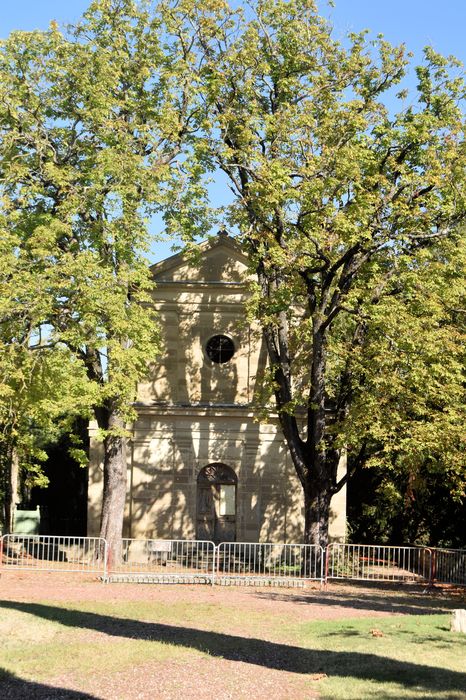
<point x="251" y="563"/>
<point x="163" y="561"/>
<point x="240" y="563"/>
<point x="82" y="555"/>
<point x="449" y="566"/>
<point x="377" y="562"/>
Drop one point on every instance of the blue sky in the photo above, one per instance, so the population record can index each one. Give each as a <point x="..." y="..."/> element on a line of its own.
<point x="414" y="22"/>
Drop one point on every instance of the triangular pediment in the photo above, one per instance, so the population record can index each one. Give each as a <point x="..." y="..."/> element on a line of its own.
<point x="220" y="259"/>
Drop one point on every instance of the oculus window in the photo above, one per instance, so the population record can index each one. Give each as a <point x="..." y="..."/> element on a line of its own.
<point x="220" y="349"/>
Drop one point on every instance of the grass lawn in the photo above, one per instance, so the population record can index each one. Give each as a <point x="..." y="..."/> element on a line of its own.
<point x="228" y="647"/>
<point x="394" y="657"/>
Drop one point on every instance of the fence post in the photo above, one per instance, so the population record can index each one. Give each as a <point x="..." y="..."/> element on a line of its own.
<point x="322" y="565"/>
<point x="214" y="563"/>
<point x="433" y="566"/>
<point x="105" y="572"/>
<point x="327" y="553"/>
<point x="217" y="571"/>
<point x="1" y="550"/>
<point x="107" y="560"/>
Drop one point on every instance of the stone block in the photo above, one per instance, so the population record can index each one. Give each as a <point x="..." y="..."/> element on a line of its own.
<point x="458" y="621"/>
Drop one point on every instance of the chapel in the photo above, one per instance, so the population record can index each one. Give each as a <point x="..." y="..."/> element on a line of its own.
<point x="201" y="464"/>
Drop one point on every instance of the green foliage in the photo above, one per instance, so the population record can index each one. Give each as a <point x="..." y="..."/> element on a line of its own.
<point x="352" y="217"/>
<point x="43" y="386"/>
<point x="95" y="128"/>
<point x="388" y="504"/>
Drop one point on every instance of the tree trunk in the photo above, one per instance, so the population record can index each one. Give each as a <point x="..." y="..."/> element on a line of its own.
<point x="317" y="498"/>
<point x="11" y="489"/>
<point x="314" y="459"/>
<point x="114" y="487"/>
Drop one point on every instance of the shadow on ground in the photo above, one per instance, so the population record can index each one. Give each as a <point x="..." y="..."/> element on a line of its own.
<point x="365" y="666"/>
<point x="418" y="601"/>
<point x="14" y="688"/>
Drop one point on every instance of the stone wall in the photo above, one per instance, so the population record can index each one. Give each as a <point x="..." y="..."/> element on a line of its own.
<point x="193" y="412"/>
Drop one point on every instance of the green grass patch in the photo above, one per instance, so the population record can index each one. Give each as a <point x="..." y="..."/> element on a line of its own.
<point x="405" y="656"/>
<point x="46" y="641"/>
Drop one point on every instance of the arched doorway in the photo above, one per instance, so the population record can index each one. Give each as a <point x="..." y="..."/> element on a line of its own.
<point x="216" y="503"/>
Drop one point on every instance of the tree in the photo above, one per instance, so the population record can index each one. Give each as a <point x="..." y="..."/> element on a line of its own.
<point x="40" y="397"/>
<point x="386" y="505"/>
<point x="94" y="126"/>
<point x="412" y="410"/>
<point x="340" y="203"/>
<point x="42" y="386"/>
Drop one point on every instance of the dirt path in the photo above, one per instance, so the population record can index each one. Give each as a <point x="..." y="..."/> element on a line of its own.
<point x="338" y="601"/>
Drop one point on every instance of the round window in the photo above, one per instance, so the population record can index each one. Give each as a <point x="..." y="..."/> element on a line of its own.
<point x="220" y="348"/>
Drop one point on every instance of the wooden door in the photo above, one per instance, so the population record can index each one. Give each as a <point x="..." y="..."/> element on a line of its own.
<point x="216" y="503"/>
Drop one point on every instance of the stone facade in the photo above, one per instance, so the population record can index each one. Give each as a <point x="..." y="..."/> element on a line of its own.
<point x="200" y="464"/>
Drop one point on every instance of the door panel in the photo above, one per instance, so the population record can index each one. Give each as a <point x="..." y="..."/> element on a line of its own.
<point x="227" y="499"/>
<point x="225" y="512"/>
<point x="206" y="512"/>
<point x="225" y="529"/>
<point x="216" y="503"/>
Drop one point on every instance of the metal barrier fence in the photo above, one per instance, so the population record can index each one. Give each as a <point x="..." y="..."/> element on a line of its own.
<point x="448" y="566"/>
<point x="230" y="563"/>
<point x="360" y="562"/>
<point x="249" y="563"/>
<point x="82" y="555"/>
<point x="164" y="561"/>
